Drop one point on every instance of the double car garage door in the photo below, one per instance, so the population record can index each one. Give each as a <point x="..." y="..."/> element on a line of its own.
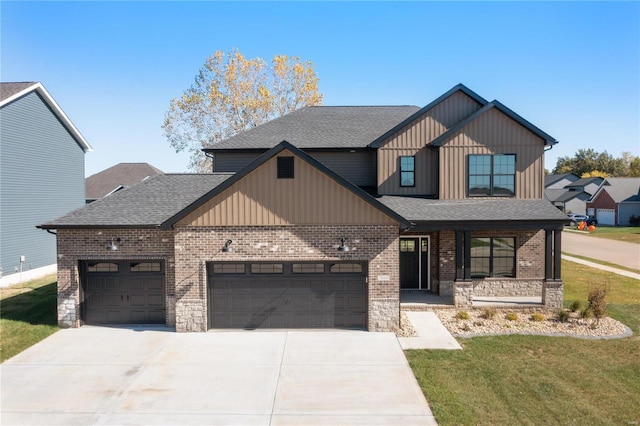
<point x="287" y="295"/>
<point x="240" y="295"/>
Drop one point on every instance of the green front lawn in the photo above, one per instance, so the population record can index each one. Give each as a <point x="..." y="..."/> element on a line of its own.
<point x="27" y="315"/>
<point x="541" y="380"/>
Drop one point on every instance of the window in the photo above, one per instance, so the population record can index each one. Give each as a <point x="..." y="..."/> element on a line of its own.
<point x="228" y="268"/>
<point x="308" y="268"/>
<point x="346" y="268"/>
<point x="492" y="175"/>
<point x="407" y="171"/>
<point x="493" y="257"/>
<point x="102" y="267"/>
<point x="145" y="267"/>
<point x="266" y="268"/>
<point x="285" y="167"/>
<point x="407" y="246"/>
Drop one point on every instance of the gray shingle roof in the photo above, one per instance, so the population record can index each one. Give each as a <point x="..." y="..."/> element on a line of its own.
<point x="9" y="89"/>
<point x="122" y="174"/>
<point x="322" y="127"/>
<point x="472" y="210"/>
<point x="551" y="179"/>
<point x="147" y="204"/>
<point x="586" y="181"/>
<point x="623" y="189"/>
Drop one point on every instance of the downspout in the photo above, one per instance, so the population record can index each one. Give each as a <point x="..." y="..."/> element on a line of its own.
<point x="51" y="232"/>
<point x="213" y="161"/>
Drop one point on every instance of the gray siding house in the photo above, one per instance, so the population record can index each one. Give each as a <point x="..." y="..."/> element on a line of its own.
<point x="41" y="177"/>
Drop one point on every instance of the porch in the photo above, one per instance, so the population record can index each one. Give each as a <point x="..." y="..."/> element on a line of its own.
<point x="412" y="300"/>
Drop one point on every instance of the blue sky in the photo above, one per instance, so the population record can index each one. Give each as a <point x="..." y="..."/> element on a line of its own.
<point x="572" y="69"/>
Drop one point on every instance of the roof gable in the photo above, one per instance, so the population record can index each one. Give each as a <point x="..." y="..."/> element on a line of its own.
<point x="253" y="196"/>
<point x="620" y="189"/>
<point x="550" y="180"/>
<point x="10" y="92"/>
<point x="493" y="105"/>
<point x="459" y="88"/>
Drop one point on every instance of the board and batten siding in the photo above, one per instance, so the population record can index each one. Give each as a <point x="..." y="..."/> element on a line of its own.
<point x="310" y="198"/>
<point x="492" y="133"/>
<point x="41" y="178"/>
<point x="358" y="167"/>
<point x="412" y="140"/>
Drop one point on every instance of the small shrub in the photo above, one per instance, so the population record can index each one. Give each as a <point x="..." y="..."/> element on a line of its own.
<point x="463" y="315"/>
<point x="511" y="316"/>
<point x="586" y="313"/>
<point x="634" y="220"/>
<point x="593" y="325"/>
<point x="489" y="312"/>
<point x="562" y="315"/>
<point x="537" y="317"/>
<point x="597" y="301"/>
<point x="575" y="306"/>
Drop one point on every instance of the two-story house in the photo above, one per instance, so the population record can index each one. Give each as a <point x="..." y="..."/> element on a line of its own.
<point x="41" y="178"/>
<point x="321" y="218"/>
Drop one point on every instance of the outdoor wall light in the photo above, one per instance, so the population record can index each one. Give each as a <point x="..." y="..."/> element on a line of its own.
<point x="342" y="246"/>
<point x="227" y="247"/>
<point x="113" y="246"/>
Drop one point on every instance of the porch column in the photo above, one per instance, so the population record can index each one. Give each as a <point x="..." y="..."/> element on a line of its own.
<point x="557" y="254"/>
<point x="459" y="248"/>
<point x="548" y="254"/>
<point x="467" y="255"/>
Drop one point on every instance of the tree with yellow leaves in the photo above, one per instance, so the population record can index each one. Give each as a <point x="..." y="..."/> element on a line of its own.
<point x="232" y="93"/>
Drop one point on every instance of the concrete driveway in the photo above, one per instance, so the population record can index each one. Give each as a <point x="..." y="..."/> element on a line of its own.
<point x="99" y="375"/>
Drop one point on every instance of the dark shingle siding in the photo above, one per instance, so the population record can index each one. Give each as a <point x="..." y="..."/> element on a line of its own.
<point x="148" y="203"/>
<point x="322" y="127"/>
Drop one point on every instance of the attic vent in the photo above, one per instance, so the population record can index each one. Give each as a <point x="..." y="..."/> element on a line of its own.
<point x="285" y="167"/>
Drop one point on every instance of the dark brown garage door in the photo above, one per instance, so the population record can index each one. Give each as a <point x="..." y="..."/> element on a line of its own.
<point x="287" y="295"/>
<point x="123" y="292"/>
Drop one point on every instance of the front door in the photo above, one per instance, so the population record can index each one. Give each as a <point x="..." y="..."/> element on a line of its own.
<point x="414" y="263"/>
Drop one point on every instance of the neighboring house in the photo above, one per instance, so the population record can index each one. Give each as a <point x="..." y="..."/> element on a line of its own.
<point x="569" y="192"/>
<point x="616" y="201"/>
<point x="113" y="179"/>
<point x="41" y="177"/>
<point x="559" y="181"/>
<point x="321" y="218"/>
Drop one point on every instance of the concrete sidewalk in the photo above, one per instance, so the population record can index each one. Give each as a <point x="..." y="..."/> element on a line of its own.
<point x="431" y="333"/>
<point x="602" y="267"/>
<point x="138" y="375"/>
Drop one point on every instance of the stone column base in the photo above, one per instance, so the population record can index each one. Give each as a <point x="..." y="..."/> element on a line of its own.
<point x="384" y="315"/>
<point x="463" y="294"/>
<point x="552" y="294"/>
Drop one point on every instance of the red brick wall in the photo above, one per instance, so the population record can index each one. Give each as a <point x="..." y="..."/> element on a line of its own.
<point x="75" y="245"/>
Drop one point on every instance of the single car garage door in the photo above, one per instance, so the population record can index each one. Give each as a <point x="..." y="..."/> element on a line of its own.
<point x="287" y="295"/>
<point x="606" y="216"/>
<point x="123" y="292"/>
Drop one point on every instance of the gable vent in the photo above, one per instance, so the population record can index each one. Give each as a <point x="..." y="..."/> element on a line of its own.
<point x="285" y="167"/>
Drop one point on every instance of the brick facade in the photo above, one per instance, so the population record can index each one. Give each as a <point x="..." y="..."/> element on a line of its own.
<point x="376" y="244"/>
<point x="75" y="245"/>
<point x="186" y="251"/>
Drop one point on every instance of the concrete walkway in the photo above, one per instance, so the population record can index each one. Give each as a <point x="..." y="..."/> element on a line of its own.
<point x="109" y="376"/>
<point x="602" y="267"/>
<point x="431" y="333"/>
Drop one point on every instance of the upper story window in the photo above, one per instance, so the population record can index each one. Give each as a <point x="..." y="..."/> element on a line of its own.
<point x="492" y="175"/>
<point x="285" y="167"/>
<point x="407" y="171"/>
